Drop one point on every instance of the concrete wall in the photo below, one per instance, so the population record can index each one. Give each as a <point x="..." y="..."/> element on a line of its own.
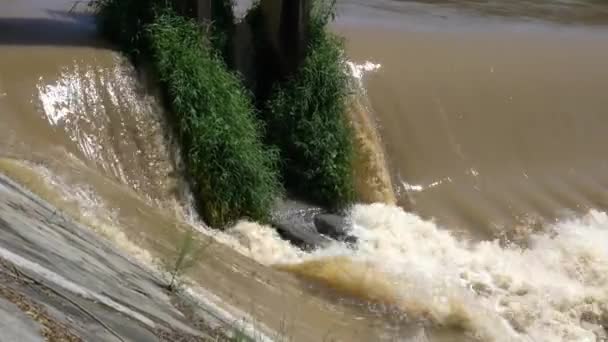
<point x="284" y="30"/>
<point x="287" y="27"/>
<point x="198" y="9"/>
<point x="285" y="24"/>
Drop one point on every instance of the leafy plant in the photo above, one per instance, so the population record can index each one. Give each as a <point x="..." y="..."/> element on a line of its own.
<point x="306" y="118"/>
<point x="323" y="12"/>
<point x="187" y="255"/>
<point x="234" y="173"/>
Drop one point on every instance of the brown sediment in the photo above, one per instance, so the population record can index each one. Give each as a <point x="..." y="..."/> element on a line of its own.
<point x="372" y="178"/>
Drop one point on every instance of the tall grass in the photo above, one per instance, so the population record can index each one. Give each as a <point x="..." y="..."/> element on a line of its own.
<point x="234" y="175"/>
<point x="124" y="21"/>
<point x="306" y="118"/>
<point x="186" y="256"/>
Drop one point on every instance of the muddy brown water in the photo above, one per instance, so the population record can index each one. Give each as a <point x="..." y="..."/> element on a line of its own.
<point x="79" y="128"/>
<point x="490" y="121"/>
<point x="492" y="116"/>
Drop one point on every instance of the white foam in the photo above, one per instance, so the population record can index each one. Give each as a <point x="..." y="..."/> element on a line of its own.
<point x="555" y="289"/>
<point x="358" y="70"/>
<point x="261" y="242"/>
<point x="543" y="292"/>
<point x="412" y="187"/>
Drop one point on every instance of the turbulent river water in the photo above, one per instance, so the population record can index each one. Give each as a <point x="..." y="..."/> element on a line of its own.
<point x="492" y="116"/>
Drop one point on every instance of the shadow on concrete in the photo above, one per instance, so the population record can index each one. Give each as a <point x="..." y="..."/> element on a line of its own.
<point x="58" y="29"/>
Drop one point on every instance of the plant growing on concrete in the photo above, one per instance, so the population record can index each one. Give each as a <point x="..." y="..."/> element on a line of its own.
<point x="233" y="174"/>
<point x="306" y="118"/>
<point x="187" y="254"/>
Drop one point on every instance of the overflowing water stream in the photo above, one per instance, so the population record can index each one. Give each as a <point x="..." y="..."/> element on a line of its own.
<point x="492" y="116"/>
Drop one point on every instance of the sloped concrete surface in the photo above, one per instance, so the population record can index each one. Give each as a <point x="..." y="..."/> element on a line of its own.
<point x="66" y="276"/>
<point x="16" y="325"/>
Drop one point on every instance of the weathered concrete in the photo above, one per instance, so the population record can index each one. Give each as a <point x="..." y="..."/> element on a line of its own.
<point x="73" y="279"/>
<point x="286" y="25"/>
<point x="201" y="10"/>
<point x="16" y="325"/>
<point x="281" y="29"/>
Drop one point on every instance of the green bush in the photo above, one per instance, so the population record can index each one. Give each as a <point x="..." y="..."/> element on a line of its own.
<point x="306" y="119"/>
<point x="124" y="21"/>
<point x="233" y="174"/>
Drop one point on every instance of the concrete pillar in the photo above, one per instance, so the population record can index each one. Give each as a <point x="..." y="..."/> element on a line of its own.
<point x="286" y="24"/>
<point x="295" y="18"/>
<point x="284" y="32"/>
<point x="197" y="9"/>
<point x="204" y="10"/>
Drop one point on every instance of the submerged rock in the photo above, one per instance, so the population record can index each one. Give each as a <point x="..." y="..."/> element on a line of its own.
<point x="331" y="225"/>
<point x="334" y="226"/>
<point x="302" y="235"/>
<point x="308" y="226"/>
<point x="294" y="221"/>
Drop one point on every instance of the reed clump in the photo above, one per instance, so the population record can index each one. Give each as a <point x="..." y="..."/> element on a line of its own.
<point x="307" y="120"/>
<point x="234" y="174"/>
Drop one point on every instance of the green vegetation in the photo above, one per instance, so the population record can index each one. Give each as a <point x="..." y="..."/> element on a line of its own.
<point x="233" y="173"/>
<point x="187" y="254"/>
<point x="125" y="21"/>
<point x="306" y="119"/>
<point x="232" y="161"/>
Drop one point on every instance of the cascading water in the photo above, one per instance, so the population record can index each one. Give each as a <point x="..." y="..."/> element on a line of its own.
<point x="493" y="129"/>
<point x="549" y="285"/>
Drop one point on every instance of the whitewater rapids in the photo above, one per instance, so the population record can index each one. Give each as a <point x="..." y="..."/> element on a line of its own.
<point x="553" y="289"/>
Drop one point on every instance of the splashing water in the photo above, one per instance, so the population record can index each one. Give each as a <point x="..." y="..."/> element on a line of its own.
<point x="358" y="71"/>
<point x="555" y="289"/>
